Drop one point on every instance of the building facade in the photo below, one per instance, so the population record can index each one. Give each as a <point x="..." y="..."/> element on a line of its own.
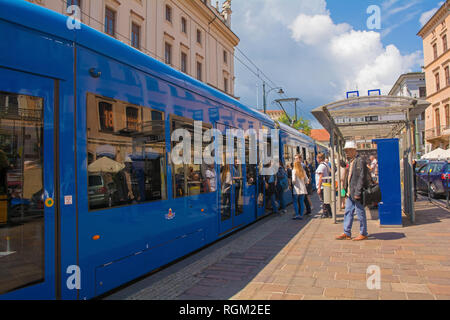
<point x="275" y="114"/>
<point x="435" y="34"/>
<point x="413" y="85"/>
<point x="190" y="35"/>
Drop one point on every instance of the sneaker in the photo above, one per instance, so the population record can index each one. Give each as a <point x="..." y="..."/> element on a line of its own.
<point x="297" y="218"/>
<point x="343" y="237"/>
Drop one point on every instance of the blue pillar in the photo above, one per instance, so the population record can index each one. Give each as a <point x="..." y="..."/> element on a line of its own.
<point x="390" y="208"/>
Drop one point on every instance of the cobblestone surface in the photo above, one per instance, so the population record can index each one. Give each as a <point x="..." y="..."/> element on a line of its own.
<point x="278" y="258"/>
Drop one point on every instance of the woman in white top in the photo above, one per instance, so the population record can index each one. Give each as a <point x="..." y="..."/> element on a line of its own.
<point x="299" y="183"/>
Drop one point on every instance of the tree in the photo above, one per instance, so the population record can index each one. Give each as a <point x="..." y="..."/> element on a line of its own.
<point x="301" y="124"/>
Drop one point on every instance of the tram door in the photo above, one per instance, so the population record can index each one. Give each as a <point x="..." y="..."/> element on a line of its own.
<point x="27" y="190"/>
<point x="231" y="183"/>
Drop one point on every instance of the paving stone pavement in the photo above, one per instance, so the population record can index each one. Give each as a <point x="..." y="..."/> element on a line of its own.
<point x="279" y="258"/>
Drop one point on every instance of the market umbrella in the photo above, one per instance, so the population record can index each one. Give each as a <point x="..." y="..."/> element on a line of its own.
<point x="436" y="154"/>
<point x="105" y="165"/>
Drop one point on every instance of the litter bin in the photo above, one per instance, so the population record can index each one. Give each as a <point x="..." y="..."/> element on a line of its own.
<point x="3" y="209"/>
<point x="326" y="193"/>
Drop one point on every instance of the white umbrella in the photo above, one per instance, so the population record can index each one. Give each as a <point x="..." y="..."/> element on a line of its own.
<point x="436" y="154"/>
<point x="105" y="165"/>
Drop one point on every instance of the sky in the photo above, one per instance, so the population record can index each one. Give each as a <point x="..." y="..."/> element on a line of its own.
<point x="317" y="50"/>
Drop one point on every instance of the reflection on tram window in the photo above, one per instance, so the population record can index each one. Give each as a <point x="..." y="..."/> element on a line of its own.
<point x="126" y="153"/>
<point x="237" y="179"/>
<point x="191" y="179"/>
<point x="226" y="184"/>
<point x="250" y="168"/>
<point x="21" y="191"/>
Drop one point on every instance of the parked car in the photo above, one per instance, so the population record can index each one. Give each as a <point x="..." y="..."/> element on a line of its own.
<point x="420" y="163"/>
<point x="102" y="194"/>
<point x="435" y="175"/>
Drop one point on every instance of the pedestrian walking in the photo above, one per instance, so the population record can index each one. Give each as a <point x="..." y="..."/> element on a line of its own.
<point x="299" y="183"/>
<point x="357" y="183"/>
<point x="323" y="171"/>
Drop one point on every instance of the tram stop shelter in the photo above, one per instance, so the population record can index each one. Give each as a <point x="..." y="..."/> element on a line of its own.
<point x="367" y="120"/>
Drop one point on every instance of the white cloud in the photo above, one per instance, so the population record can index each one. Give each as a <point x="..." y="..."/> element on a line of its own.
<point x="310" y="55"/>
<point x="428" y="14"/>
<point x="357" y="58"/>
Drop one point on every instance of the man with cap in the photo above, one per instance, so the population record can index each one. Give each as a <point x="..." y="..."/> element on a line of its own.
<point x="357" y="182"/>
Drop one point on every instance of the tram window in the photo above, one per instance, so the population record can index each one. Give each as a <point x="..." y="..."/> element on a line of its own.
<point x="126" y="153"/>
<point x="21" y="191"/>
<point x="191" y="179"/>
<point x="250" y="168"/>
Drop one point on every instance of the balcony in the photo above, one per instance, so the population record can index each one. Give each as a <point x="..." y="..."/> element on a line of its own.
<point x="442" y="132"/>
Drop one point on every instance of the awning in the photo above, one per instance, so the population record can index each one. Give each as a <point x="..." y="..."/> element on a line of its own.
<point x="369" y="117"/>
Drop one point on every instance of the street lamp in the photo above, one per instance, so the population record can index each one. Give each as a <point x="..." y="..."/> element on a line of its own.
<point x="280" y="91"/>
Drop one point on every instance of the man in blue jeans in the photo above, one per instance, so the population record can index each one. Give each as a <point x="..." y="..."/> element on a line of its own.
<point x="356" y="183"/>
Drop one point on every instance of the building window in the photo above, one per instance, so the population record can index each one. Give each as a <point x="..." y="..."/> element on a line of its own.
<point x="110" y="22"/>
<point x="225" y="57"/>
<point x="199" y="71"/>
<point x="422" y="92"/>
<point x="168" y="54"/>
<point x="199" y="36"/>
<point x="106" y="116"/>
<point x="435" y="52"/>
<point x="135" y="35"/>
<point x="168" y="13"/>
<point x="437" y="118"/>
<point x="127" y="165"/>
<point x="225" y="85"/>
<point x="190" y="179"/>
<point x="438" y="84"/>
<point x="183" y="25"/>
<point x="132" y="114"/>
<point x="447" y="116"/>
<point x="444" y="42"/>
<point x="447" y="76"/>
<point x="183" y="62"/>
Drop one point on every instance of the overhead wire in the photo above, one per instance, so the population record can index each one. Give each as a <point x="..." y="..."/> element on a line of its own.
<point x="256" y="71"/>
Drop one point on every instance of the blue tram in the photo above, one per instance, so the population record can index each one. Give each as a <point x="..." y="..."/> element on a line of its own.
<point x="89" y="197"/>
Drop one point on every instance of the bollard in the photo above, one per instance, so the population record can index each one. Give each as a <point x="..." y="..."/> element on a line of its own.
<point x="8" y="246"/>
<point x="327" y="193"/>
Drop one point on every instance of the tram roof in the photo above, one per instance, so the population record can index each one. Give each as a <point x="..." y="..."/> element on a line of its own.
<point x="54" y="23"/>
<point x="390" y="111"/>
<point x="295" y="132"/>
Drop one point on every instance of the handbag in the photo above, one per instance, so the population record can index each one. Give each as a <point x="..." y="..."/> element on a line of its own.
<point x="372" y="195"/>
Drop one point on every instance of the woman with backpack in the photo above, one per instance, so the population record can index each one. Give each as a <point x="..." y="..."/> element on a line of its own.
<point x="299" y="183"/>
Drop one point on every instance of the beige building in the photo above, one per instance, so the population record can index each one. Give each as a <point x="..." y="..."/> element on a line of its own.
<point x="436" y="51"/>
<point x="275" y="114"/>
<point x="190" y="35"/>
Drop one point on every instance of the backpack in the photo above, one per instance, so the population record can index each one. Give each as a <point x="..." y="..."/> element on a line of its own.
<point x="282" y="179"/>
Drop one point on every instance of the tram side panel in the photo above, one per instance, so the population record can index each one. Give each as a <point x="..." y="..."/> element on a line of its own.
<point x="142" y="226"/>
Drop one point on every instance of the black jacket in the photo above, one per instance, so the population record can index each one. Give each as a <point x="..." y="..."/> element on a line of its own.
<point x="359" y="179"/>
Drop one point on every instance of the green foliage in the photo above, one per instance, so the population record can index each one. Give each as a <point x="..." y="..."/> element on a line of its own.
<point x="301" y="124"/>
